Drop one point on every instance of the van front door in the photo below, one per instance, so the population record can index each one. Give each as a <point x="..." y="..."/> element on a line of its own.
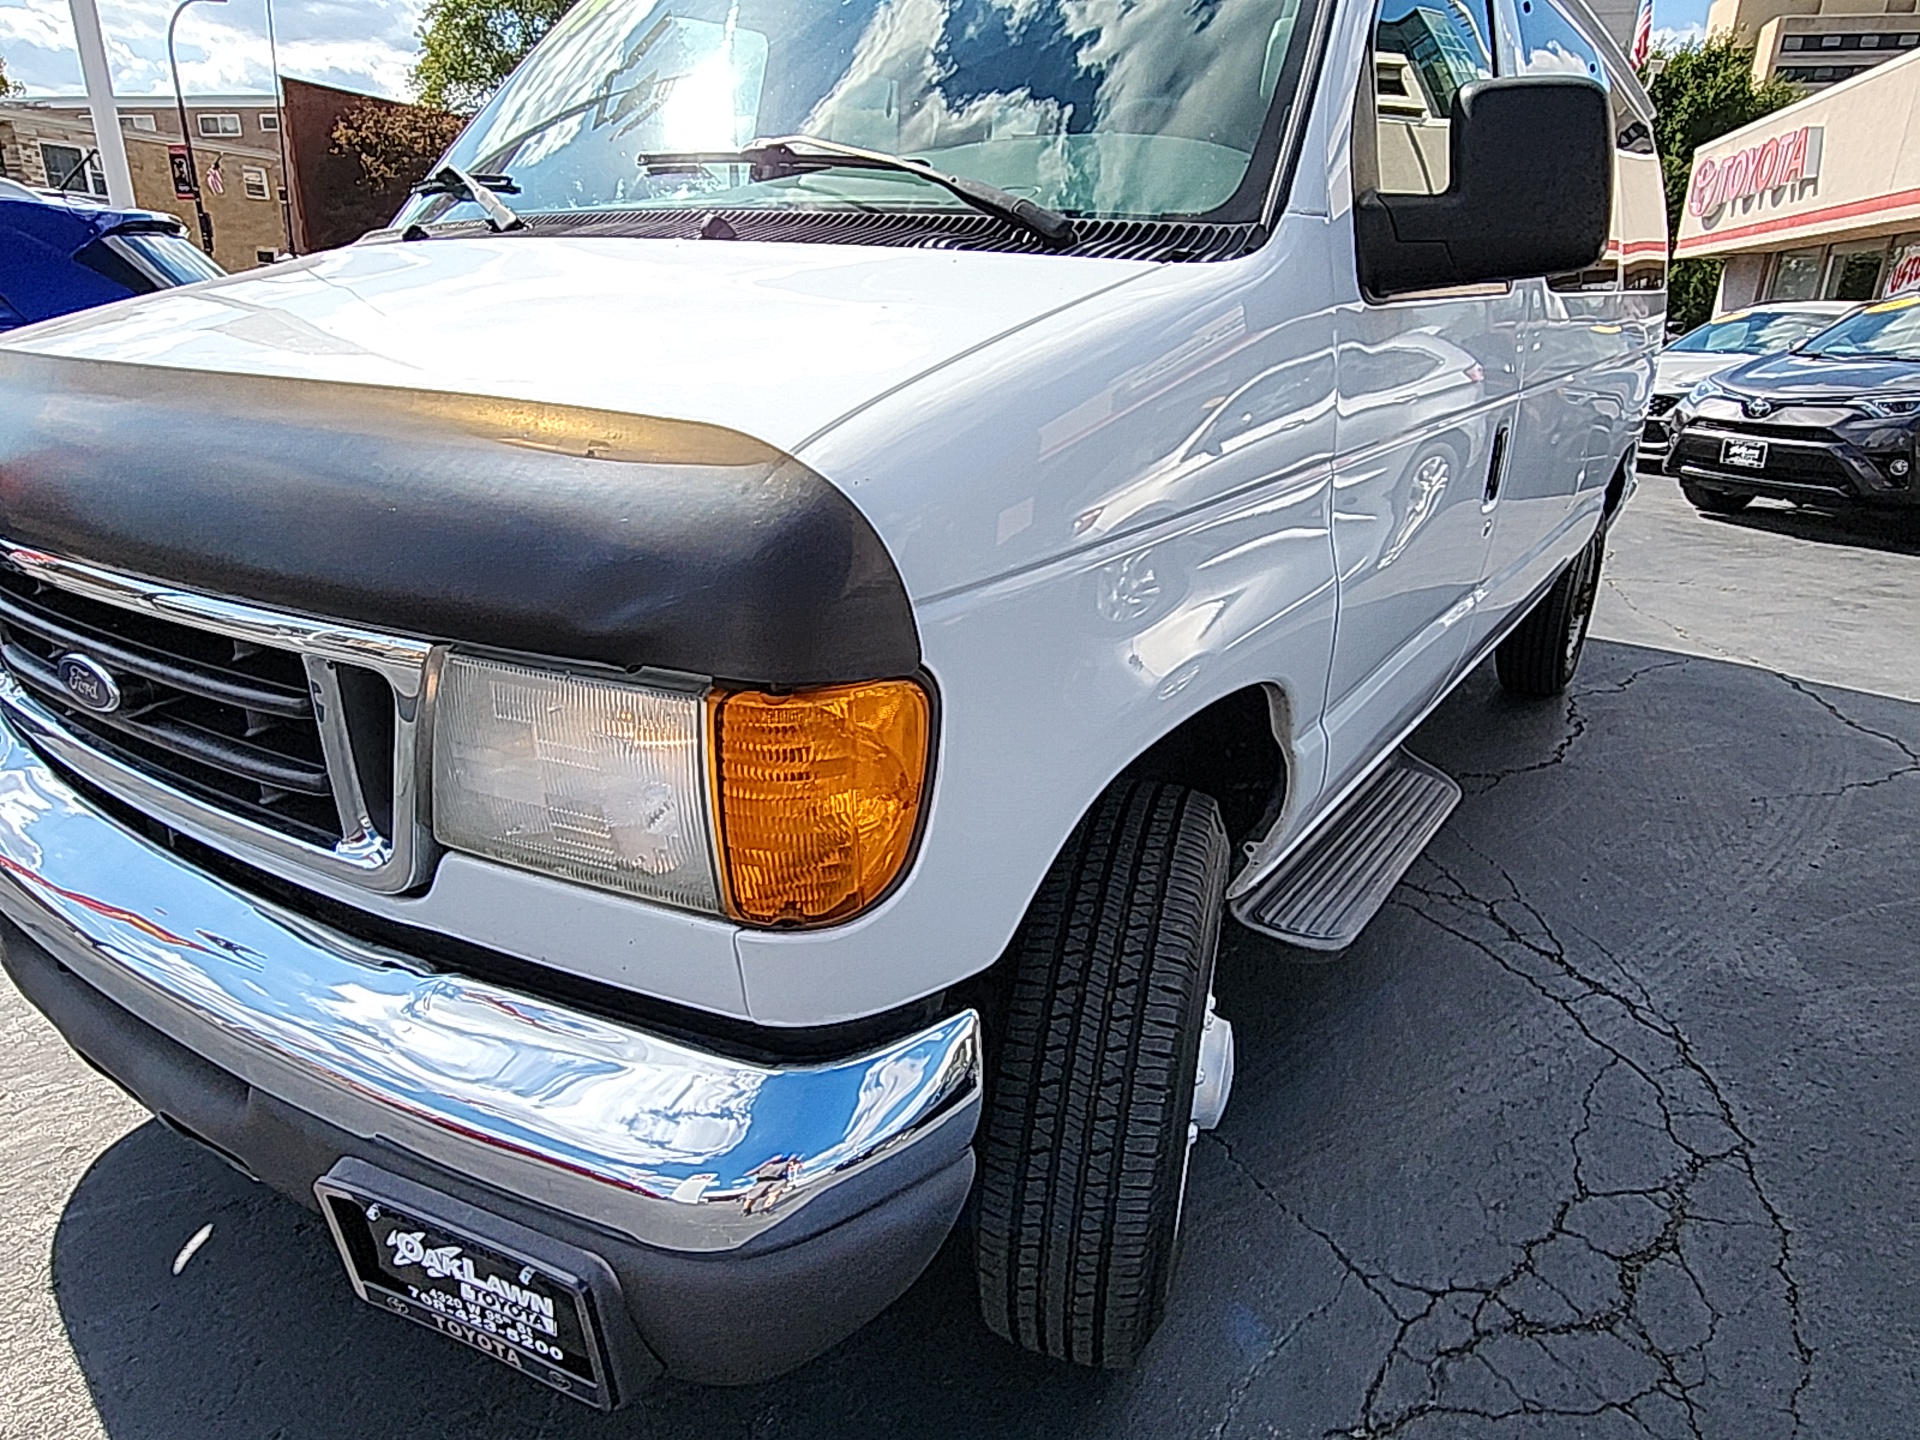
<point x="1577" y="369"/>
<point x="1427" y="386"/>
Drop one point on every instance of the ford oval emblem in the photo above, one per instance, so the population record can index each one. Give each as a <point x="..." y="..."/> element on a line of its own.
<point x="1757" y="409"/>
<point x="87" y="682"/>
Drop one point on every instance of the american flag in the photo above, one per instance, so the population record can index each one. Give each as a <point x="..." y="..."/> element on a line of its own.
<point x="1642" y="34"/>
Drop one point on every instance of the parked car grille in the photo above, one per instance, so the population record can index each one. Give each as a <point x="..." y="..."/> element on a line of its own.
<point x="1793" y="465"/>
<point x="228" y="722"/>
<point x="1661" y="404"/>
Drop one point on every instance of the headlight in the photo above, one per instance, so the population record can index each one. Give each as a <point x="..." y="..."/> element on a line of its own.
<point x="773" y="809"/>
<point x="1888" y="407"/>
<point x="592" y="781"/>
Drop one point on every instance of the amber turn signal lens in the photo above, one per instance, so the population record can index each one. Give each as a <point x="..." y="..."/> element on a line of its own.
<point x="818" y="796"/>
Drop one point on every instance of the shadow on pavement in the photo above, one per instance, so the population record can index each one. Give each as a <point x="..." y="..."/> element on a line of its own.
<point x="1607" y="1015"/>
<point x="1897" y="532"/>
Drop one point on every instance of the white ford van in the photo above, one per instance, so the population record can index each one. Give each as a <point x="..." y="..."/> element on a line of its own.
<point x="651" y="736"/>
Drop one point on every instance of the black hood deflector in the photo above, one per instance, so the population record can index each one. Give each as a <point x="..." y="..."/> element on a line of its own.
<point x="547" y="529"/>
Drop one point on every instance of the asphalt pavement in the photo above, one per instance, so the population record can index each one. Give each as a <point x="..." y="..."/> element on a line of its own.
<point x="1606" y="1126"/>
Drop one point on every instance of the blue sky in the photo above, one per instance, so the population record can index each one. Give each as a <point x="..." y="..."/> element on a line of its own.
<point x="357" y="44"/>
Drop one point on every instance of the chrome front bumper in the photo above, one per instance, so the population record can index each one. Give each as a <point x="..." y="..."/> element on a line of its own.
<point x="670" y="1145"/>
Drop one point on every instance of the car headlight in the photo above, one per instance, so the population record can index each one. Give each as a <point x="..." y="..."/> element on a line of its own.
<point x="1888" y="407"/>
<point x="798" y="808"/>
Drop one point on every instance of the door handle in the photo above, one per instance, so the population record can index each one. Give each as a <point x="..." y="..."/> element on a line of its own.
<point x="1496" y="465"/>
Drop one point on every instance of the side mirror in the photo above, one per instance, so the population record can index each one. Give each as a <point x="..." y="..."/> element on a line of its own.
<point x="1530" y="192"/>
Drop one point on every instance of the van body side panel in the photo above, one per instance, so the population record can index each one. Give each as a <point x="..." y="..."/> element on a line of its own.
<point x="1130" y="524"/>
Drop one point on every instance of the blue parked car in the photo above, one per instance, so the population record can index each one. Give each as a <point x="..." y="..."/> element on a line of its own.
<point x="59" y="253"/>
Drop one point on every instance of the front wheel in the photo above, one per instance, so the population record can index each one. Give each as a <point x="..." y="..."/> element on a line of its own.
<point x="1715" y="502"/>
<point x="1538" y="659"/>
<point x="1084" y="1143"/>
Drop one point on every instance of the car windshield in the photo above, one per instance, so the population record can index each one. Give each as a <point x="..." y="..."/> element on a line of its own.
<point x="174" y="257"/>
<point x="1889" y="330"/>
<point x="1753" y="332"/>
<point x="1136" y="108"/>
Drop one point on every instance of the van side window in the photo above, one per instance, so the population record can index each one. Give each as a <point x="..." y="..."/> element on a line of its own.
<point x="1551" y="44"/>
<point x="1423" y="52"/>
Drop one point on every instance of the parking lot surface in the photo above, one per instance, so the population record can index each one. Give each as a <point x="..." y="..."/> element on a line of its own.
<point x="1606" y="1126"/>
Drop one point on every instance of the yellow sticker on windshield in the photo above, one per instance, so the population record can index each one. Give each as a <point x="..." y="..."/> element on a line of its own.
<point x="1899" y="303"/>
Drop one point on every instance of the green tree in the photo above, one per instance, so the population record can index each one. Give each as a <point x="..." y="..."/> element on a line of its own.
<point x="7" y="87"/>
<point x="1700" y="93"/>
<point x="469" y="46"/>
<point x="395" y="145"/>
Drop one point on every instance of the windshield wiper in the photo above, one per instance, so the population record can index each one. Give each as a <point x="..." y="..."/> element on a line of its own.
<point x="483" y="190"/>
<point x="778" y="160"/>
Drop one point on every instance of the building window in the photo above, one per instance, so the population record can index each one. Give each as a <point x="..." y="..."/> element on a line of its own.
<point x="65" y="172"/>
<point x="1796" y="274"/>
<point x="1869" y="42"/>
<point x="137" y="122"/>
<point x="215" y="126"/>
<point x="1853" y="271"/>
<point x="269" y="122"/>
<point x="1903" y="269"/>
<point x="1831" y="42"/>
<point x="254" y="181"/>
<point x="1790" y="42"/>
<point x="263" y="257"/>
<point x="1907" y="42"/>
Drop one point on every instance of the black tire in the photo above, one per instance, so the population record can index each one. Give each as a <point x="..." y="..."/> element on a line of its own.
<point x="1715" y="502"/>
<point x="1083" y="1154"/>
<point x="1539" y="658"/>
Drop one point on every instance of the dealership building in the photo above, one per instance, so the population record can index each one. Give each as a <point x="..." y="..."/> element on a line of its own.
<point x="1819" y="201"/>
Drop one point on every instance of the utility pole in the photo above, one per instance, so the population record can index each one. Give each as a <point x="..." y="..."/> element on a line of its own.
<point x="106" y="115"/>
<point x="186" y="136"/>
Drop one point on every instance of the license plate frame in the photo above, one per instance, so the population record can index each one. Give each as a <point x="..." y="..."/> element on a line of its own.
<point x="1743" y="454"/>
<point x="517" y="1297"/>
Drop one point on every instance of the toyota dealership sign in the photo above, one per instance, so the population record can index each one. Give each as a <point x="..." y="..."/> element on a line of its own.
<point x="1759" y="170"/>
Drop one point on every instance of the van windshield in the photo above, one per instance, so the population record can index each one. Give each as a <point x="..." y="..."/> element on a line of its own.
<point x="1123" y="108"/>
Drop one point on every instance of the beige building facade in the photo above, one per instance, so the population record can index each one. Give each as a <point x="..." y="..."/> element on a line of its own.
<point x="1819" y="201"/>
<point x="49" y="143"/>
<point x="1815" y="43"/>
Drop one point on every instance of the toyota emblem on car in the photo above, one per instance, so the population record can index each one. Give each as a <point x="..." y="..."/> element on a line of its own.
<point x="88" y="683"/>
<point x="1757" y="409"/>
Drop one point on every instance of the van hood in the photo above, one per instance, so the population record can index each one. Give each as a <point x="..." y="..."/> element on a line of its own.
<point x="578" y="448"/>
<point x="775" y="341"/>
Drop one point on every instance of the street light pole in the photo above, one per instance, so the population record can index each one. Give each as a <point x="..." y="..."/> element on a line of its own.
<point x="186" y="138"/>
<point x="280" y="111"/>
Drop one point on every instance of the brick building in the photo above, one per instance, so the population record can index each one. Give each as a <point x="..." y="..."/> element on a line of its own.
<point x="49" y="142"/>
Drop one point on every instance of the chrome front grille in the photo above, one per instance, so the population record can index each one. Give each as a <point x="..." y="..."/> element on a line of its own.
<point x="228" y="720"/>
<point x="263" y="733"/>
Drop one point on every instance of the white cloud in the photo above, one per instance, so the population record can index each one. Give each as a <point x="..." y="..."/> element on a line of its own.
<point x="1673" y="37"/>
<point x="355" y="44"/>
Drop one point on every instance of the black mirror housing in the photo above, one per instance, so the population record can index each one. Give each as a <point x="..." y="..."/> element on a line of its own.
<point x="1530" y="192"/>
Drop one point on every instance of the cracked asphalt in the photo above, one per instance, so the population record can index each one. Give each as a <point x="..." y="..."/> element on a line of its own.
<point x="1606" y="1127"/>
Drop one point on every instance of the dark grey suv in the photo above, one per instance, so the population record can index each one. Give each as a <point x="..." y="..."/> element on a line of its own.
<point x="1832" y="422"/>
